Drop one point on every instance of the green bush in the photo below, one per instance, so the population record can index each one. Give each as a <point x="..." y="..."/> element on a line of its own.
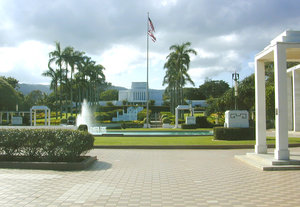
<point x="71" y="120"/>
<point x="188" y="126"/>
<point x="143" y="114"/>
<point x="63" y="121"/>
<point x="222" y="133"/>
<point x="166" y="120"/>
<point x="133" y="124"/>
<point x="45" y="144"/>
<point x="83" y="127"/>
<point x="201" y="122"/>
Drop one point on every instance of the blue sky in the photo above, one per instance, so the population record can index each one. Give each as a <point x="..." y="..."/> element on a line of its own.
<point x="225" y="33"/>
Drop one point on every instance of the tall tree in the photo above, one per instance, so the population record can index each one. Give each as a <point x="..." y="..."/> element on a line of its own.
<point x="54" y="75"/>
<point x="177" y="65"/>
<point x="57" y="57"/>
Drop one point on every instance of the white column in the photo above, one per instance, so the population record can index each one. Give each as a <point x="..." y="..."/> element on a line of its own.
<point x="176" y="118"/>
<point x="30" y="117"/>
<point x="296" y="99"/>
<point x="260" y="108"/>
<point x="46" y="113"/>
<point x="49" y="117"/>
<point x="281" y="109"/>
<point x="34" y="117"/>
<point x="290" y="90"/>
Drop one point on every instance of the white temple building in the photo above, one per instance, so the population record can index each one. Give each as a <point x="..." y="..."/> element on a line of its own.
<point x="137" y="94"/>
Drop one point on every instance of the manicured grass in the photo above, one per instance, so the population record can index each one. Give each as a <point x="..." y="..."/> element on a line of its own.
<point x="163" y="141"/>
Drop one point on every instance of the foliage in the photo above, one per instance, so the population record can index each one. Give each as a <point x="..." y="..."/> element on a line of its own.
<point x="143" y="114"/>
<point x="83" y="127"/>
<point x="45" y="144"/>
<point x="8" y="96"/>
<point x="193" y="94"/>
<point x="177" y="66"/>
<point x="11" y="81"/>
<point x="213" y="88"/>
<point x="109" y="103"/>
<point x="109" y="95"/>
<point x="188" y="126"/>
<point x="86" y="83"/>
<point x="132" y="124"/>
<point x="222" y="133"/>
<point x="166" y="120"/>
<point x="201" y="122"/>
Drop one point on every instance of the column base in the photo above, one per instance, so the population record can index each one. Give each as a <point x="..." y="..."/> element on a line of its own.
<point x="282" y="154"/>
<point x="261" y="149"/>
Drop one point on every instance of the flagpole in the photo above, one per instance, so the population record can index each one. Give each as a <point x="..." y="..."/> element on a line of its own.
<point x="147" y="89"/>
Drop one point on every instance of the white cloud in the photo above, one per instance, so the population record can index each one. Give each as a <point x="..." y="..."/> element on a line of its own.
<point x="31" y="56"/>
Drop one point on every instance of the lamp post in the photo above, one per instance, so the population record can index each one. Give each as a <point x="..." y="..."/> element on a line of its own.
<point x="235" y="77"/>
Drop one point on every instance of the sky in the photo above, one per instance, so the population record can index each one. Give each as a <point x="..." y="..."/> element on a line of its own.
<point x="225" y="33"/>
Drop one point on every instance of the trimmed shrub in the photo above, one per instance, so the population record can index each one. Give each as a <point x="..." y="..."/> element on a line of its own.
<point x="132" y="124"/>
<point x="71" y="120"/>
<point x="201" y="122"/>
<point x="188" y="126"/>
<point x="222" y="133"/>
<point x="63" y="121"/>
<point x="166" y="120"/>
<point x="44" y="144"/>
<point x="83" y="127"/>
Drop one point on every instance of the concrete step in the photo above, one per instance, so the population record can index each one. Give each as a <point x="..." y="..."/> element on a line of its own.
<point x="266" y="162"/>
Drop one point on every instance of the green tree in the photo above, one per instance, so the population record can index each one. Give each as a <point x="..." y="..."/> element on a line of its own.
<point x="213" y="88"/>
<point x="8" y="96"/>
<point x="109" y="95"/>
<point x="193" y="94"/>
<point x="177" y="65"/>
<point x="54" y="75"/>
<point x="57" y="57"/>
<point x="11" y="81"/>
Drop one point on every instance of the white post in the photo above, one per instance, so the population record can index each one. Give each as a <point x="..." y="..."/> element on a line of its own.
<point x="296" y="99"/>
<point x="281" y="109"/>
<point x="176" y="118"/>
<point x="49" y="117"/>
<point x="260" y="108"/>
<point x="34" y="113"/>
<point x="46" y="113"/>
<point x="30" y="117"/>
<point x="290" y="90"/>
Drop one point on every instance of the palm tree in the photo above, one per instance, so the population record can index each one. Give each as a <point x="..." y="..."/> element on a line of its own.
<point x="56" y="57"/>
<point x="71" y="58"/>
<point x="54" y="75"/>
<point x="177" y="65"/>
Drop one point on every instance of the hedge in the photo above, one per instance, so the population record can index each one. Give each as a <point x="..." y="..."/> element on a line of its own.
<point x="222" y="133"/>
<point x="201" y="122"/>
<point x="44" y="144"/>
<point x="188" y="126"/>
<point x="132" y="124"/>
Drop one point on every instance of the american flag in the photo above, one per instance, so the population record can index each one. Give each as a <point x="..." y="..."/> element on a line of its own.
<point x="151" y="30"/>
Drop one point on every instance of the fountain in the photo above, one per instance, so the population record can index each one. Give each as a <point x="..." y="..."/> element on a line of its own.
<point x="86" y="117"/>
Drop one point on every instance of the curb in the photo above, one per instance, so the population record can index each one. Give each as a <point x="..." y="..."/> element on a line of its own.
<point x="64" y="166"/>
<point x="216" y="147"/>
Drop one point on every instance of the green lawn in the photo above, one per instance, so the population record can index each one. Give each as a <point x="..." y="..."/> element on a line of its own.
<point x="200" y="140"/>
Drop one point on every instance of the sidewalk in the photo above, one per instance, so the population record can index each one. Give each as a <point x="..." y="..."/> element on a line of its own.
<point x="136" y="177"/>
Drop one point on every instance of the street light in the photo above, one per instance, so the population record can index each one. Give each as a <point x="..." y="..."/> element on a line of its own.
<point x="235" y="77"/>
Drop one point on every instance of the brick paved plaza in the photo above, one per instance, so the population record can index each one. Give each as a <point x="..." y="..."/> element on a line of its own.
<point x="154" y="178"/>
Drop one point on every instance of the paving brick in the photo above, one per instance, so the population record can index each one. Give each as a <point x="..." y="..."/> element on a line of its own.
<point x="153" y="178"/>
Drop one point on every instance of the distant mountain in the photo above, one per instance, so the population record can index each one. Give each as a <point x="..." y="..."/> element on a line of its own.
<point x="27" y="88"/>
